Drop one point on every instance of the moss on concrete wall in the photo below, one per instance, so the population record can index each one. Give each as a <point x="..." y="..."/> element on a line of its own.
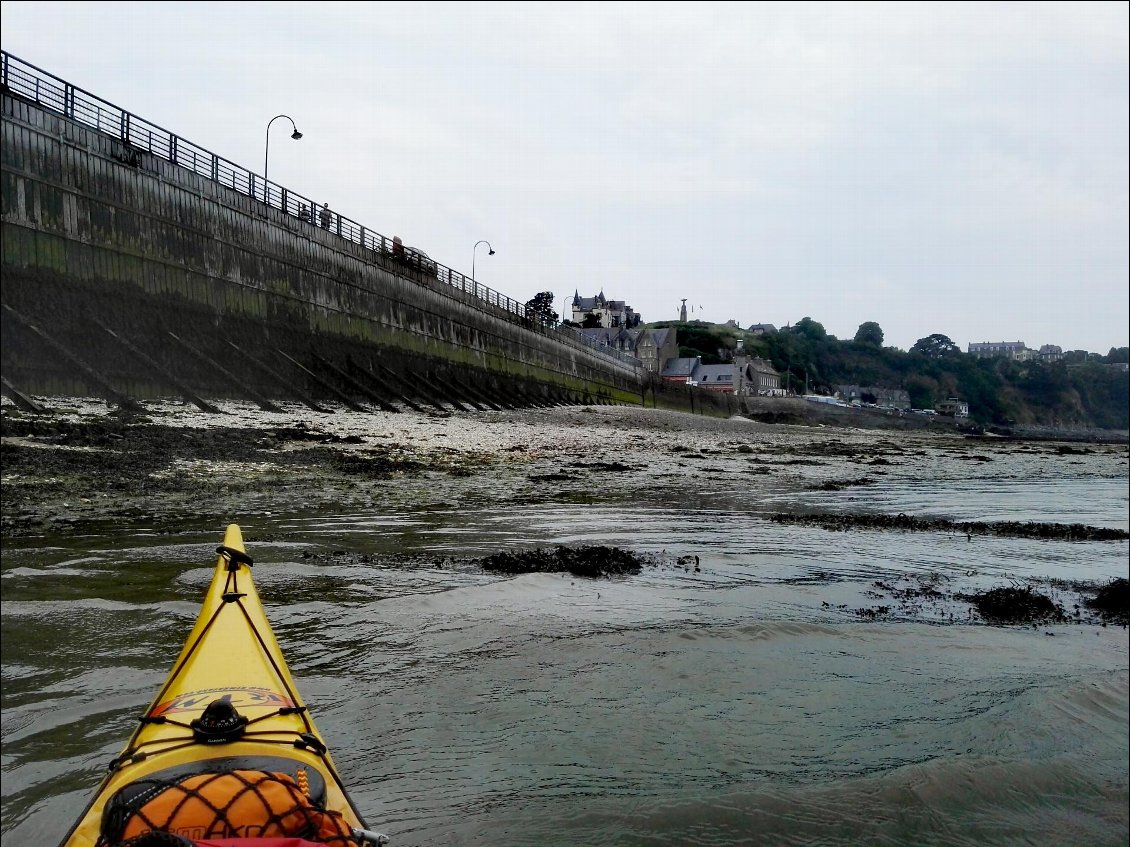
<point x="90" y="239"/>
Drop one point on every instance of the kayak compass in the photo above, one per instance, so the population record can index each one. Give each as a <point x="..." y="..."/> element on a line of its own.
<point x="220" y="723"/>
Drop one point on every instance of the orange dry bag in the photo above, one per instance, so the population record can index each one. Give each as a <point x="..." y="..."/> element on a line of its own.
<point x="229" y="804"/>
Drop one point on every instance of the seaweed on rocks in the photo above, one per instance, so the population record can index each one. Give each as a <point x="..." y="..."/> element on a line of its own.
<point x="602" y="466"/>
<point x="843" y="522"/>
<point x="586" y="561"/>
<point x="1037" y="601"/>
<point x="552" y="477"/>
<point x="1112" y="601"/>
<point x="841" y="484"/>
<point x="873" y="613"/>
<point x="1014" y="604"/>
<point x="371" y="464"/>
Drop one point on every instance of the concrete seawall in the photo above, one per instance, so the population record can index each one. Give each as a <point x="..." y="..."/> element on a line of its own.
<point x="126" y="275"/>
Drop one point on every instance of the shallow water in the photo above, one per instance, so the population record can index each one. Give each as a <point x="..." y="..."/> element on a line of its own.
<point x="745" y="702"/>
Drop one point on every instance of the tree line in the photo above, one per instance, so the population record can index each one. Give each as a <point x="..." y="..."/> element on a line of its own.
<point x="1080" y="390"/>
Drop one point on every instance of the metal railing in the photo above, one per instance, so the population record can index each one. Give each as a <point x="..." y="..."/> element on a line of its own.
<point x="50" y="92"/>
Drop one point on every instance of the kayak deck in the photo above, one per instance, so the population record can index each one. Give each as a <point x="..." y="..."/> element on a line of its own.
<point x="229" y="702"/>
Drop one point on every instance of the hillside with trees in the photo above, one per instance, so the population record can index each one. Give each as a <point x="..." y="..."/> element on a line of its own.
<point x="1081" y="390"/>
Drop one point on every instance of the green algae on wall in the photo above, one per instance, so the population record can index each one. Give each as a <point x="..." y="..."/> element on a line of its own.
<point x="51" y="252"/>
<point x="171" y="248"/>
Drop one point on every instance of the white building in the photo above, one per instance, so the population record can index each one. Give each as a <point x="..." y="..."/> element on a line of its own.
<point x="609" y="313"/>
<point x="1015" y="350"/>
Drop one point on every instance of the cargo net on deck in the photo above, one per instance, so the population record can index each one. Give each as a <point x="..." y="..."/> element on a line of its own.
<point x="225" y="804"/>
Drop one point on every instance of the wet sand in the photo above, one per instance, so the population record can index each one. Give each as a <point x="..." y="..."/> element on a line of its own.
<point x="174" y="464"/>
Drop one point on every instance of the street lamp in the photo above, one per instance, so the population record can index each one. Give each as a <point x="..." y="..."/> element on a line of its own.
<point x="267" y="146"/>
<point x="473" y="251"/>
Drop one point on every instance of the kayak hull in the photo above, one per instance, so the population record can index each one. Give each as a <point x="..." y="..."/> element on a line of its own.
<point x="231" y="656"/>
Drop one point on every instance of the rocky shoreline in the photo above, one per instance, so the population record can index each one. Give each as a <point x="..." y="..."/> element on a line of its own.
<point x="89" y="470"/>
<point x="173" y="463"/>
<point x="789" y="410"/>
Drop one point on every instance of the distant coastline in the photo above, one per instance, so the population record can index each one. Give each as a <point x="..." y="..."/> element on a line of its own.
<point x="793" y="410"/>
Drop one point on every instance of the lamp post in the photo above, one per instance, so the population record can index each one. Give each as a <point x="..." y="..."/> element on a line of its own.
<point x="474" y="250"/>
<point x="267" y="147"/>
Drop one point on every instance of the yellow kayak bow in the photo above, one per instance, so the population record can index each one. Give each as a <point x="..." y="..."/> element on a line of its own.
<point x="228" y="703"/>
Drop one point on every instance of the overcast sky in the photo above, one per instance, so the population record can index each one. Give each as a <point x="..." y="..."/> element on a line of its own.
<point x="937" y="168"/>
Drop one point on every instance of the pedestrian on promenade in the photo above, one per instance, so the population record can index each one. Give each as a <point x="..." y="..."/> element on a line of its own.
<point x="304" y="214"/>
<point x="324" y="216"/>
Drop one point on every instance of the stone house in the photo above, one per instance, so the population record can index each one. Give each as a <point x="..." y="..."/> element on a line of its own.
<point x="743" y="376"/>
<point x="609" y="313"/>
<point x="652" y="347"/>
<point x="760" y="378"/>
<point x="1051" y="353"/>
<point x="1016" y="350"/>
<point x="679" y="369"/>
<point x="721" y="378"/>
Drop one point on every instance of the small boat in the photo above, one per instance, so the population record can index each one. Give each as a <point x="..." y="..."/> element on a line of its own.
<point x="227" y="753"/>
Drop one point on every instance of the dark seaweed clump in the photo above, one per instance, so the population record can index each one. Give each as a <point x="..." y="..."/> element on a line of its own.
<point x="1010" y="529"/>
<point x="594" y="561"/>
<point x="1016" y="605"/>
<point x="1112" y="601"/>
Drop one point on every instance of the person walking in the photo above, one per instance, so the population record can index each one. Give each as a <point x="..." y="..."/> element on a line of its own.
<point x="324" y="216"/>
